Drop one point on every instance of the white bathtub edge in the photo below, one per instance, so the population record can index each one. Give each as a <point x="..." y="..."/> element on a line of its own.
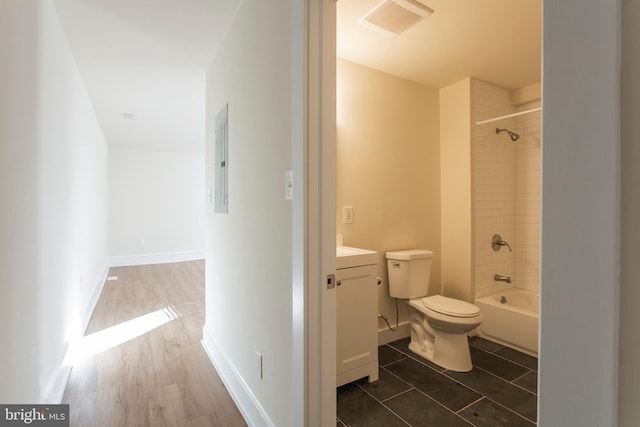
<point x="500" y="322"/>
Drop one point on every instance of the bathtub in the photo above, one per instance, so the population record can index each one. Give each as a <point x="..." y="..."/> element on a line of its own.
<point x="514" y="322"/>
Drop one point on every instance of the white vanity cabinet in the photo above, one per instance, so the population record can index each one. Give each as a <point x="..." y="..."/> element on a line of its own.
<point x="357" y="321"/>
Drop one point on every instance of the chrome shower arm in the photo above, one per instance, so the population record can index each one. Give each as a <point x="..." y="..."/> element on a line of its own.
<point x="514" y="136"/>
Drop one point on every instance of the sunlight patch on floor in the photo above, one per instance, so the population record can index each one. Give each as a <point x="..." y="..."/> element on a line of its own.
<point x="106" y="339"/>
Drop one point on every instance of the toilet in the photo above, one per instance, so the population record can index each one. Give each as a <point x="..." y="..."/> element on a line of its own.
<point x="439" y="325"/>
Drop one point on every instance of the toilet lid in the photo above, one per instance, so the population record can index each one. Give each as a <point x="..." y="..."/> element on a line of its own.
<point x="450" y="306"/>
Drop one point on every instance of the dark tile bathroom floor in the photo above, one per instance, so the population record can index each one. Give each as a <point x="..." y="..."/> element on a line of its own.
<point x="501" y="390"/>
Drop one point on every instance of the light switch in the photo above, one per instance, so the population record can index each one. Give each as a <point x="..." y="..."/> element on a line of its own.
<point x="221" y="177"/>
<point x="288" y="179"/>
<point x="347" y="214"/>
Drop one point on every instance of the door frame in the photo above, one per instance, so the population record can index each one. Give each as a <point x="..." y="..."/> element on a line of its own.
<point x="319" y="178"/>
<point x="592" y="128"/>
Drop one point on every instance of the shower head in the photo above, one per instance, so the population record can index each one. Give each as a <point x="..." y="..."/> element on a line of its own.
<point x="514" y="136"/>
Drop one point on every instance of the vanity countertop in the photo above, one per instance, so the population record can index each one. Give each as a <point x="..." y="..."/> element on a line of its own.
<point x="347" y="257"/>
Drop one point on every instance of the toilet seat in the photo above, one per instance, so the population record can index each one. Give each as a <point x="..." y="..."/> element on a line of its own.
<point x="450" y="307"/>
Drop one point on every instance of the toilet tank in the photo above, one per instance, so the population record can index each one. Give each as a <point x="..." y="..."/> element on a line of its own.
<point x="409" y="272"/>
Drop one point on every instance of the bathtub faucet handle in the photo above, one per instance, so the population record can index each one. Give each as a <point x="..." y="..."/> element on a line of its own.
<point x="497" y="243"/>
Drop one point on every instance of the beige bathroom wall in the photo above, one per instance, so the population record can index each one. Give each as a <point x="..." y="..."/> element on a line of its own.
<point x="456" y="187"/>
<point x="388" y="168"/>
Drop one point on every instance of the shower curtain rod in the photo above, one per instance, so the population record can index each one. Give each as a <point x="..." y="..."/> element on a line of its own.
<point x="533" y="110"/>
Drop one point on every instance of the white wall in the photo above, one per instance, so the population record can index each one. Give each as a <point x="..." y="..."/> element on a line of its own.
<point x="156" y="206"/>
<point x="580" y="214"/>
<point x="249" y="250"/>
<point x="629" y="376"/>
<point x="53" y="192"/>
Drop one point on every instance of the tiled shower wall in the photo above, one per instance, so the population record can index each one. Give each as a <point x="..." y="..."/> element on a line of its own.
<point x="506" y="191"/>
<point x="494" y="179"/>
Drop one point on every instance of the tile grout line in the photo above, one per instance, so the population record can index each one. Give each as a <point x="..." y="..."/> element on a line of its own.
<point x="493" y="400"/>
<point x="510" y="410"/>
<point x="490" y="373"/>
<point x="471" y="388"/>
<point x="519" y="386"/>
<point x="383" y="402"/>
<point x="399" y="417"/>
<point x="411" y="356"/>
<point x="511" y="360"/>
<point x="512" y="382"/>
<point x="397" y="395"/>
<point x="444" y="372"/>
<point x="506" y="358"/>
<point x="447" y="408"/>
<point x="411" y="386"/>
<point x="423" y="393"/>
<point x="482" y="396"/>
<point x="523" y="375"/>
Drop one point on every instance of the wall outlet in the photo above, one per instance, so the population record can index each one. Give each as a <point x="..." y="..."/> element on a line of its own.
<point x="259" y="364"/>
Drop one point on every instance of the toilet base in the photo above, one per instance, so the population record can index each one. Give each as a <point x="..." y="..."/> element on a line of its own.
<point x="450" y="353"/>
<point x="448" y="350"/>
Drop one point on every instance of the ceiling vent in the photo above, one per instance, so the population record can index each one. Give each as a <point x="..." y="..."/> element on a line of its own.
<point x="395" y="16"/>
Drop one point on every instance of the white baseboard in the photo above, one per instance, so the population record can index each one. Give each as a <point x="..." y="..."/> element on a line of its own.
<point x="249" y="406"/>
<point x="93" y="301"/>
<point x="54" y="390"/>
<point x="160" y="258"/>
<point x="386" y="335"/>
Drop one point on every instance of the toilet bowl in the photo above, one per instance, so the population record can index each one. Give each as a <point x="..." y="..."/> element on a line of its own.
<point x="439" y="325"/>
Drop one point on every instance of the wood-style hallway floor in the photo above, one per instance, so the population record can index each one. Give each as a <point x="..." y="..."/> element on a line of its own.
<point x="162" y="377"/>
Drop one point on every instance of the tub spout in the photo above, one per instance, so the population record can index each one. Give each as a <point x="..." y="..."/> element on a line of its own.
<point x="499" y="278"/>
